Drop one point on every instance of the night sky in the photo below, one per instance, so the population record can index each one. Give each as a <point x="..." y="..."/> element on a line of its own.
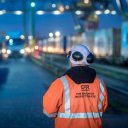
<point x="50" y="23"/>
<point x="44" y="23"/>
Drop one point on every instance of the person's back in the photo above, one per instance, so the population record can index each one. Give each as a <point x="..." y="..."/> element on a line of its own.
<point x="77" y="99"/>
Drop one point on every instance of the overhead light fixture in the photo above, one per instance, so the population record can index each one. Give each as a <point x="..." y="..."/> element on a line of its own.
<point x="18" y="12"/>
<point x="53" y="5"/>
<point x="2" y="12"/>
<point x="50" y="34"/>
<point x="98" y="12"/>
<point x="9" y="51"/>
<point x="57" y="12"/>
<point x="33" y="4"/>
<point x="30" y="37"/>
<point x="22" y="51"/>
<point x="113" y="12"/>
<point x="61" y="8"/>
<point x="57" y="33"/>
<point x="107" y="11"/>
<point x="22" y="37"/>
<point x="40" y="12"/>
<point x="3" y="50"/>
<point x="7" y="37"/>
<point x="86" y="1"/>
<point x="11" y="41"/>
<point x="78" y="12"/>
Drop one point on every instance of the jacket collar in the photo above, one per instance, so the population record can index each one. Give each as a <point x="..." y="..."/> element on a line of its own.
<point x="81" y="74"/>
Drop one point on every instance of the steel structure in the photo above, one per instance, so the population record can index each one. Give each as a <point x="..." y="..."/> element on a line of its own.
<point x="87" y="7"/>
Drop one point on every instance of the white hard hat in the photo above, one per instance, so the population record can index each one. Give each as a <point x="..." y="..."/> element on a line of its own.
<point x="80" y="55"/>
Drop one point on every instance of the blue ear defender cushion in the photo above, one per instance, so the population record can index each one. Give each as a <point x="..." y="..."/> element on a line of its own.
<point x="90" y="58"/>
<point x="77" y="56"/>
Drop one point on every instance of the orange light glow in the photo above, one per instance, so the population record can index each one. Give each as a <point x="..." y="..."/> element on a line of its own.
<point x="36" y="47"/>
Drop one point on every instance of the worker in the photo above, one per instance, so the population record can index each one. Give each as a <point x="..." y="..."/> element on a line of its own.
<point x="78" y="98"/>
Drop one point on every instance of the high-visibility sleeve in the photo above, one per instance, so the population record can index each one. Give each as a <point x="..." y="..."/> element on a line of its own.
<point x="52" y="99"/>
<point x="105" y="100"/>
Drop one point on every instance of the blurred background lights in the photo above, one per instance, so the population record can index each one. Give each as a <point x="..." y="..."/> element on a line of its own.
<point x="107" y="11"/>
<point x="18" y="12"/>
<point x="53" y="5"/>
<point x="61" y="8"/>
<point x="2" y="12"/>
<point x="7" y="37"/>
<point x="78" y="12"/>
<point x="36" y="47"/>
<point x="11" y="41"/>
<point x="22" y="37"/>
<point x="40" y="12"/>
<point x="57" y="12"/>
<point x="50" y="34"/>
<point x="86" y="1"/>
<point x="3" y="50"/>
<point x="8" y="51"/>
<point x="98" y="12"/>
<point x="30" y="37"/>
<point x="33" y="4"/>
<point x="22" y="51"/>
<point x="113" y="12"/>
<point x="57" y="33"/>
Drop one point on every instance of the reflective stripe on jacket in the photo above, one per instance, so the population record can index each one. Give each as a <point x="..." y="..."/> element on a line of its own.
<point x="76" y="105"/>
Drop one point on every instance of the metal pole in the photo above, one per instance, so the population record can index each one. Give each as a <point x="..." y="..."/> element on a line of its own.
<point x="78" y="27"/>
<point x="24" y="19"/>
<point x="32" y="20"/>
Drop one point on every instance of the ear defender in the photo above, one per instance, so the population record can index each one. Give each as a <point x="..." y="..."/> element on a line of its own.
<point x="90" y="58"/>
<point x="77" y="56"/>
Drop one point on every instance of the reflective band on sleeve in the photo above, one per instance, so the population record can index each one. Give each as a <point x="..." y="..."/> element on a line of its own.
<point x="49" y="115"/>
<point x="80" y="115"/>
<point x="101" y="87"/>
<point x="101" y="96"/>
<point x="66" y="94"/>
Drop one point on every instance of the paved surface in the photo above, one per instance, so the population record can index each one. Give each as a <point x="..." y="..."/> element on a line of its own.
<point x="21" y="90"/>
<point x="22" y="84"/>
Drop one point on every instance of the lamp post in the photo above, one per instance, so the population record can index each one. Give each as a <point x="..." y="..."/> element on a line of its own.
<point x="32" y="19"/>
<point x="24" y="19"/>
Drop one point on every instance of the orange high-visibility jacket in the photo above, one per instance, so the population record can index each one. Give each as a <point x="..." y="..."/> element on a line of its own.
<point x="75" y="105"/>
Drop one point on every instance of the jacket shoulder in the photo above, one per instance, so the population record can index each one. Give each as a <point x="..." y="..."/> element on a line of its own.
<point x="57" y="84"/>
